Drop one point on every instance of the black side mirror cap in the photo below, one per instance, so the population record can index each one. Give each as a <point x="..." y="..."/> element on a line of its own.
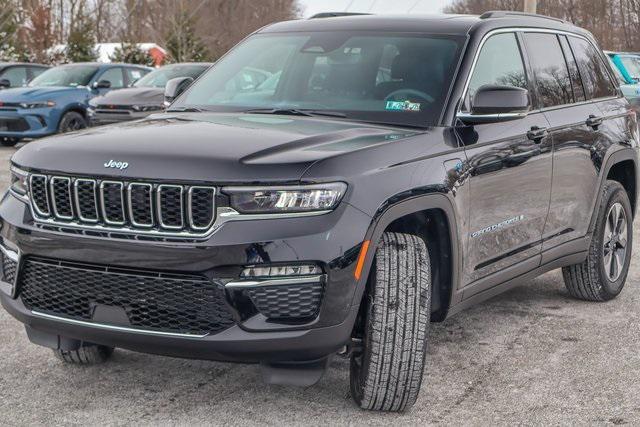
<point x="5" y="84"/>
<point x="174" y="88"/>
<point x="492" y="104"/>
<point x="102" y="84"/>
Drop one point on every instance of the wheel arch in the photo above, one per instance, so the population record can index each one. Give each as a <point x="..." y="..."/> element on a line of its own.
<point x="433" y="218"/>
<point x="621" y="166"/>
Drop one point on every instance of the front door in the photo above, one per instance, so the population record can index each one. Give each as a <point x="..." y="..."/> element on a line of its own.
<point x="509" y="177"/>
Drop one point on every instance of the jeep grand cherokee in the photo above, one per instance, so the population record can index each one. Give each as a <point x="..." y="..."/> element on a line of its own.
<point x="385" y="173"/>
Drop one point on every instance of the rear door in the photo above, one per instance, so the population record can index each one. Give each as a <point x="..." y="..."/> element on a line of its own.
<point x="509" y="170"/>
<point x="578" y="130"/>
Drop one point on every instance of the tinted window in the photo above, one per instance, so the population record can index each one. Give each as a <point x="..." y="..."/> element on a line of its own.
<point x="549" y="69"/>
<point x="400" y="79"/>
<point x="576" y="81"/>
<point x="499" y="63"/>
<point x="595" y="77"/>
<point x="113" y="76"/>
<point x="16" y="75"/>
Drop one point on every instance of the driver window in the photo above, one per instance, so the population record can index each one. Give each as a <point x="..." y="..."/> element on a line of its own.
<point x="113" y="76"/>
<point x="499" y="63"/>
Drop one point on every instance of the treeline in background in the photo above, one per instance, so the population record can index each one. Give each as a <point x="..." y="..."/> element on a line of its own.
<point x="614" y="23"/>
<point x="190" y="30"/>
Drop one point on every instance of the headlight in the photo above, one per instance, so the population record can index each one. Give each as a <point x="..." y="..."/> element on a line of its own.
<point x="286" y="199"/>
<point x="19" y="181"/>
<point x="38" y="104"/>
<point x="146" y="108"/>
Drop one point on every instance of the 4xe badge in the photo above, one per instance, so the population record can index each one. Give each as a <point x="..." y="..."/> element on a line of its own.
<point x="116" y="165"/>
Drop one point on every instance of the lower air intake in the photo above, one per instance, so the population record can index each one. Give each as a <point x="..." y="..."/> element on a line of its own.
<point x="151" y="300"/>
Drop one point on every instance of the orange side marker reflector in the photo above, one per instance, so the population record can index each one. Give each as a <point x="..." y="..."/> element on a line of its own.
<point x="361" y="258"/>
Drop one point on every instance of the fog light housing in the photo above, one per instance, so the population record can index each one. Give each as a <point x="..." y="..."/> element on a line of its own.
<point x="280" y="293"/>
<point x="259" y="271"/>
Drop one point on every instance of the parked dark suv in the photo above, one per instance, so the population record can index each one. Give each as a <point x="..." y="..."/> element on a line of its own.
<point x="386" y="172"/>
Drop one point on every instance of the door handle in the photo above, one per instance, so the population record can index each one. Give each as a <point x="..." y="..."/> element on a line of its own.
<point x="537" y="134"/>
<point x="594" y="121"/>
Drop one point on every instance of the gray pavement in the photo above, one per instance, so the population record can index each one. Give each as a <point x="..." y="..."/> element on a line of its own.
<point x="530" y="356"/>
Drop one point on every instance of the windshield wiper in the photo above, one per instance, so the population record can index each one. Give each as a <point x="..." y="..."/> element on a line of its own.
<point x="296" y="112"/>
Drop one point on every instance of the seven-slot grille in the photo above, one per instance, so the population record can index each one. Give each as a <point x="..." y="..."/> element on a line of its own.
<point x="119" y="205"/>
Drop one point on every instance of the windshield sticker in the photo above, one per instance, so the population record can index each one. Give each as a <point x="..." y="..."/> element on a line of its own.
<point x="402" y="106"/>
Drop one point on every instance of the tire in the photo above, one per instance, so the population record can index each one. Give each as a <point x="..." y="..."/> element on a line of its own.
<point x="72" y="121"/>
<point x="386" y="375"/>
<point x="602" y="276"/>
<point x="9" y="142"/>
<point x="92" y="354"/>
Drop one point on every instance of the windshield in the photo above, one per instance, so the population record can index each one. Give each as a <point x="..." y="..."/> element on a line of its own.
<point x="396" y="79"/>
<point x="161" y="76"/>
<point x="67" y="75"/>
<point x="632" y="65"/>
<point x="617" y="72"/>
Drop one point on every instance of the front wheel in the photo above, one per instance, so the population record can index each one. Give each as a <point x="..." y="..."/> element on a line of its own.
<point x="9" y="142"/>
<point x="71" y="121"/>
<point x="602" y="276"/>
<point x="386" y="375"/>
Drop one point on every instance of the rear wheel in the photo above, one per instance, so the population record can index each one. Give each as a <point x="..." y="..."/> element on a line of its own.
<point x="88" y="354"/>
<point x="71" y="121"/>
<point x="386" y="375"/>
<point x="602" y="276"/>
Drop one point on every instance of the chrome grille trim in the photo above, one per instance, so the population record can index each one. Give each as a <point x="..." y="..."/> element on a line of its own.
<point x="130" y="204"/>
<point x="103" y="205"/>
<point x="159" y="191"/>
<point x="190" y="207"/>
<point x="33" y="203"/>
<point x="77" y="200"/>
<point x="52" y="183"/>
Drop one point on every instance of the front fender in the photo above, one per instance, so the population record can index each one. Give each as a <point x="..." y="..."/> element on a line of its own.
<point x="398" y="207"/>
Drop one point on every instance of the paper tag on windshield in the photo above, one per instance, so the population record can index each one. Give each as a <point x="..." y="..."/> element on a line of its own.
<point x="402" y="106"/>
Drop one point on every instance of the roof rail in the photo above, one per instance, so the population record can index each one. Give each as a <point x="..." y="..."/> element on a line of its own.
<point x="504" y="13"/>
<point x="336" y="14"/>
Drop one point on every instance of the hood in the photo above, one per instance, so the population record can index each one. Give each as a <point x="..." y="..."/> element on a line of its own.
<point x="132" y="96"/>
<point x="216" y="147"/>
<point x="23" y="94"/>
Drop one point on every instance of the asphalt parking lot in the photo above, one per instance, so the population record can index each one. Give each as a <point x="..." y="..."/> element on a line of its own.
<point x="530" y="356"/>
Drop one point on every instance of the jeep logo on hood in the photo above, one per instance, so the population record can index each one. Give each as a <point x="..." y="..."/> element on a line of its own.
<point x="116" y="165"/>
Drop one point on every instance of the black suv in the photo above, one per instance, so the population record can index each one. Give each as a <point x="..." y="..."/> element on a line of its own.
<point x="330" y="186"/>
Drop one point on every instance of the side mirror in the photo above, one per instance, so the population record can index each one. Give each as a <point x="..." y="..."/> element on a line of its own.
<point x="175" y="87"/>
<point x="5" y="84"/>
<point x="102" y="84"/>
<point x="494" y="104"/>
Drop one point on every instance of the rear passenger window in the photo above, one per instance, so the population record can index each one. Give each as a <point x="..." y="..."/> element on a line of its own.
<point x="499" y="63"/>
<point x="549" y="69"/>
<point x="595" y="78"/>
<point x="576" y="81"/>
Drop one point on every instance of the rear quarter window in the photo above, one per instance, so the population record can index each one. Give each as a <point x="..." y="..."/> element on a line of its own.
<point x="595" y="77"/>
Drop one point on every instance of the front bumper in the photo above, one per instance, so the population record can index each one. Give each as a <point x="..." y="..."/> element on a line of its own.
<point x="34" y="123"/>
<point x="331" y="241"/>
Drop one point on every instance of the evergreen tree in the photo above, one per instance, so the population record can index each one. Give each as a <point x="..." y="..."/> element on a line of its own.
<point x="182" y="42"/>
<point x="81" y="44"/>
<point x="131" y="54"/>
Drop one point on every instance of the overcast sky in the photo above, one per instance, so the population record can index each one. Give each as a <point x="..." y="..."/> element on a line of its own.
<point x="312" y="7"/>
